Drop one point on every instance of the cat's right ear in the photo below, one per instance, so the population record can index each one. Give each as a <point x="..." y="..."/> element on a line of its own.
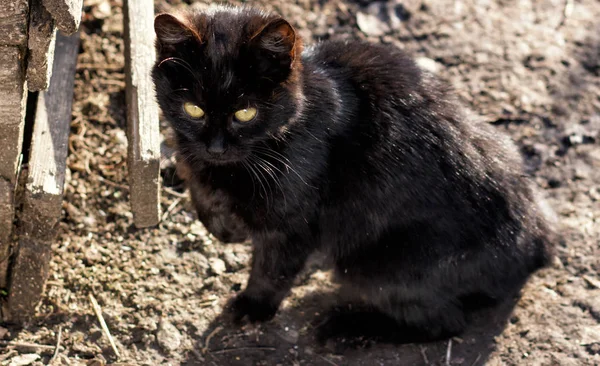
<point x="171" y="31"/>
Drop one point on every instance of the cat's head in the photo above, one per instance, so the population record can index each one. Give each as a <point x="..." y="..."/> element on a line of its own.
<point x="226" y="80"/>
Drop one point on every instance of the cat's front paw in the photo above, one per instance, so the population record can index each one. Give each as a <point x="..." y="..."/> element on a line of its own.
<point x="257" y="309"/>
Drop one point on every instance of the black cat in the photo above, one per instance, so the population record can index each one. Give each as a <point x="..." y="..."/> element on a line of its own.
<point x="351" y="149"/>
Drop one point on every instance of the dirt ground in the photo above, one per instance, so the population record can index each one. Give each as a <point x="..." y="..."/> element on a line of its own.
<point x="529" y="67"/>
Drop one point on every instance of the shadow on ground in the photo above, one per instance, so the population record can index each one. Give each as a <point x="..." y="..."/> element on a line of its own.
<point x="289" y="339"/>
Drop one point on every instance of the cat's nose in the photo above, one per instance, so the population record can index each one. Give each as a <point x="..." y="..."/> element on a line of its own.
<point x="216" y="150"/>
<point x="216" y="146"/>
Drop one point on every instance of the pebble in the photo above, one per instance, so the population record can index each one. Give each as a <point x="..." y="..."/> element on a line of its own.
<point x="427" y="64"/>
<point x="374" y="20"/>
<point x="289" y="335"/>
<point x="217" y="265"/>
<point x="381" y="17"/>
<point x="102" y="10"/>
<point x="233" y="261"/>
<point x="168" y="336"/>
<point x="24" y="359"/>
<point x="590" y="335"/>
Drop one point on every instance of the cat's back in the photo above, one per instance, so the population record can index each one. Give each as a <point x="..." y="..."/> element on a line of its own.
<point x="371" y="67"/>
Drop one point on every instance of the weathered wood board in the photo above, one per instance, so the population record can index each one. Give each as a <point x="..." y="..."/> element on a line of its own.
<point x="13" y="22"/>
<point x="43" y="193"/>
<point x="142" y="113"/>
<point x="13" y="99"/>
<point x="7" y="213"/>
<point x="42" y="36"/>
<point x="66" y="13"/>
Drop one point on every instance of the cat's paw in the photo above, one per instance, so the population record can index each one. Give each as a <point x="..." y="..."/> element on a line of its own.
<point x="331" y="334"/>
<point x="256" y="309"/>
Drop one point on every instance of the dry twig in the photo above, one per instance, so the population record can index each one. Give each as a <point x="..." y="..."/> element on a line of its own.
<point x="424" y="354"/>
<point x="477" y="359"/>
<point x="257" y="348"/>
<point x="8" y="355"/>
<point x="98" y="312"/>
<point x="328" y="360"/>
<point x="174" y="193"/>
<point x="449" y="352"/>
<point x="208" y="338"/>
<point x="58" y="339"/>
<point x="26" y="345"/>
<point x="170" y="209"/>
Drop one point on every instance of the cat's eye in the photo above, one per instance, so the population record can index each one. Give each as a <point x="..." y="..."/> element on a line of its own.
<point x="245" y="115"/>
<point x="193" y="110"/>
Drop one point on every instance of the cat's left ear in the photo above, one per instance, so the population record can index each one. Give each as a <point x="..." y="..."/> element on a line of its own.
<point x="279" y="39"/>
<point x="172" y="30"/>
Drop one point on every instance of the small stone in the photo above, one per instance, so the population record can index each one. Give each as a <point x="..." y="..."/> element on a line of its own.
<point x="3" y="332"/>
<point x="92" y="255"/>
<point x="427" y="64"/>
<point x="217" y="265"/>
<point x="592" y="282"/>
<point x="96" y="362"/>
<point x="381" y="17"/>
<point x="24" y="359"/>
<point x="582" y="171"/>
<point x="595" y="193"/>
<point x="557" y="263"/>
<point x="590" y="335"/>
<point x="102" y="10"/>
<point x="289" y="335"/>
<point x="373" y="22"/>
<point x="168" y="336"/>
<point x="233" y="261"/>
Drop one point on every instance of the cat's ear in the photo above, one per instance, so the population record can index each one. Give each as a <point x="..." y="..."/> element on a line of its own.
<point x="278" y="38"/>
<point x="172" y="30"/>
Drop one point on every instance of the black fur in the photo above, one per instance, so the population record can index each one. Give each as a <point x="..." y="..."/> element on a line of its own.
<point x="358" y="153"/>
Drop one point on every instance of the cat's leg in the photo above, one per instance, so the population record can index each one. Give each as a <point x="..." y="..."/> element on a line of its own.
<point x="392" y="319"/>
<point x="399" y="292"/>
<point x="215" y="216"/>
<point x="276" y="260"/>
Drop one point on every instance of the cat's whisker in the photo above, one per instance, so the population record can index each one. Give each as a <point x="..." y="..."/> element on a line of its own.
<point x="178" y="162"/>
<point x="278" y="157"/>
<point x="182" y="63"/>
<point x="313" y="136"/>
<point x="262" y="185"/>
<point x="267" y="167"/>
<point x="245" y="166"/>
<point x="273" y="105"/>
<point x="259" y="169"/>
<point x="273" y="166"/>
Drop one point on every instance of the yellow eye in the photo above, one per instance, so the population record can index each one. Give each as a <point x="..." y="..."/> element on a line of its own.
<point x="245" y="115"/>
<point x="193" y="110"/>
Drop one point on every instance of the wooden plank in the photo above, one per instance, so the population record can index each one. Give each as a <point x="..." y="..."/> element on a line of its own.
<point x="42" y="36"/>
<point x="66" y="13"/>
<point x="42" y="198"/>
<point x="142" y="113"/>
<point x="13" y="22"/>
<point x="7" y="215"/>
<point x="13" y="99"/>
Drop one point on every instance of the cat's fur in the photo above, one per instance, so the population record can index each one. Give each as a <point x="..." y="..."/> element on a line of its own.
<point x="356" y="152"/>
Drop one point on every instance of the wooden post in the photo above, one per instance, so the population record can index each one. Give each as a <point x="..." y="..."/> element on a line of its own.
<point x="13" y="22"/>
<point x="43" y="193"/>
<point x="142" y="113"/>
<point x="42" y="35"/>
<point x="66" y="13"/>
<point x="13" y="97"/>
